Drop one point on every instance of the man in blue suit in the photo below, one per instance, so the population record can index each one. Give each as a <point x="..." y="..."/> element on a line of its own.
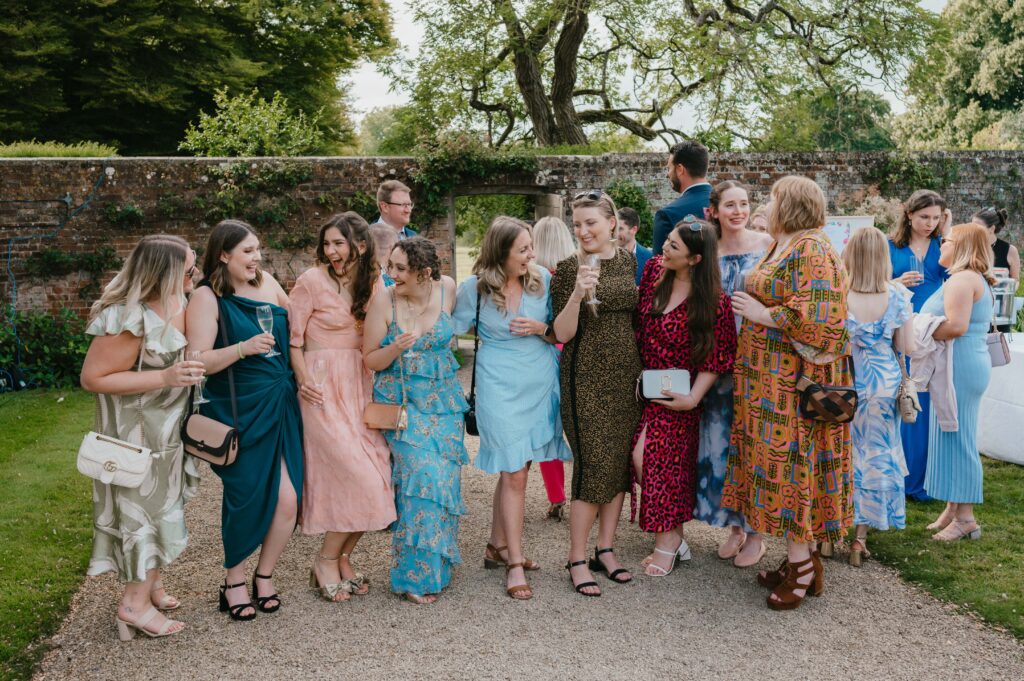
<point x="629" y="223"/>
<point x="687" y="171"/>
<point x="394" y="200"/>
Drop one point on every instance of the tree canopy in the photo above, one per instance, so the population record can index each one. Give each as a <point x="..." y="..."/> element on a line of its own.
<point x="552" y="71"/>
<point x="968" y="90"/>
<point x="135" y="73"/>
<point x="824" y="119"/>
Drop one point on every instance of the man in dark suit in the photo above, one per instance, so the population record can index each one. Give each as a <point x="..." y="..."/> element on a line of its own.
<point x="687" y="171"/>
<point x="394" y="200"/>
<point x="629" y="223"/>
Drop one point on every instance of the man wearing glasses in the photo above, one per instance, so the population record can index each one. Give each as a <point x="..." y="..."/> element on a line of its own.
<point x="687" y="172"/>
<point x="395" y="204"/>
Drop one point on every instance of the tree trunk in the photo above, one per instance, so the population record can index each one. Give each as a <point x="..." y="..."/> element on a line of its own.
<point x="528" y="77"/>
<point x="563" y="82"/>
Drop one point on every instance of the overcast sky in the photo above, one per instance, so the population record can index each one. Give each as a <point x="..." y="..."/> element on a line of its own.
<point x="370" y="89"/>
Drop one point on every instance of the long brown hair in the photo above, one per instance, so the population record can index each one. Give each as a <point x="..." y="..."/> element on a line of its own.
<point x="361" y="266"/>
<point x="489" y="267"/>
<point x="224" y="237"/>
<point x="705" y="287"/>
<point x="919" y="200"/>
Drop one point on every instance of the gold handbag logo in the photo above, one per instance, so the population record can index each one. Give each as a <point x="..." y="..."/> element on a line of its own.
<point x="110" y="467"/>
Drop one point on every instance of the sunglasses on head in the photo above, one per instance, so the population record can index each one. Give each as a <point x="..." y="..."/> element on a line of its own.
<point x="693" y="222"/>
<point x="590" y="195"/>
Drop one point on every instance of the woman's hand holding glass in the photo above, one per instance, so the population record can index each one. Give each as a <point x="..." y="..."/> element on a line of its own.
<point x="260" y="344"/>
<point x="586" y="282"/>
<point x="196" y="356"/>
<point x="265" y="317"/>
<point x="183" y="374"/>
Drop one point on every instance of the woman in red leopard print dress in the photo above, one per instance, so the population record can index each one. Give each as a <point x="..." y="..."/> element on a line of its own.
<point x="683" y="321"/>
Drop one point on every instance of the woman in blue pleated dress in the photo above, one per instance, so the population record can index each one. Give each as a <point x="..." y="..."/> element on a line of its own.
<point x="739" y="251"/>
<point x="517" y="391"/>
<point x="879" y="321"/>
<point x="954" y="472"/>
<point x="407" y="342"/>
<point x="914" y="254"/>
<point x="263" y="487"/>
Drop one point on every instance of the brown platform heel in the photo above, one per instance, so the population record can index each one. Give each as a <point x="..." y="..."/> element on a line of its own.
<point x="785" y="593"/>
<point x="772" y="578"/>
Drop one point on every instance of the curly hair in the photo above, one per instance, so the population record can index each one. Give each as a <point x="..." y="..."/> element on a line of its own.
<point x="422" y="254"/>
<point x="361" y="265"/>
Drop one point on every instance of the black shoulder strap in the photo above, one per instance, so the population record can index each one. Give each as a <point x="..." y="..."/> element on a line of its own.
<point x="476" y="347"/>
<point x="222" y="325"/>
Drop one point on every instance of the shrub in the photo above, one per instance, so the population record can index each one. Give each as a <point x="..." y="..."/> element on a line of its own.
<point x="885" y="211"/>
<point x="52" y="346"/>
<point x="626" y="193"/>
<point x="248" y="125"/>
<point x="34" y="149"/>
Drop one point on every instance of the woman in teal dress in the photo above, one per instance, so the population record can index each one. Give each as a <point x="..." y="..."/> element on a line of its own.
<point x="407" y="340"/>
<point x="954" y="472"/>
<point x="263" y="488"/>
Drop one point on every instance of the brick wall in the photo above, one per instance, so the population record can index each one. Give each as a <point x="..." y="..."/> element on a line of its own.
<point x="179" y="196"/>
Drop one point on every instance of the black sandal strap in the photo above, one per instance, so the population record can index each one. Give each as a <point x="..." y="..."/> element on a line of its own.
<point x="259" y="576"/>
<point x="598" y="552"/>
<point x="618" y="572"/>
<point x="580" y="587"/>
<point x="569" y="566"/>
<point x="227" y="586"/>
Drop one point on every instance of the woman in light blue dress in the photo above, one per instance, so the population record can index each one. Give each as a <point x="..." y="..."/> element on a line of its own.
<point x="740" y="249"/>
<point x="880" y="317"/>
<point x="517" y="391"/>
<point x="954" y="472"/>
<point x="407" y="342"/>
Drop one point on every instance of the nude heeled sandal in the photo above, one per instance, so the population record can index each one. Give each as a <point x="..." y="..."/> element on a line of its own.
<point x="126" y="630"/>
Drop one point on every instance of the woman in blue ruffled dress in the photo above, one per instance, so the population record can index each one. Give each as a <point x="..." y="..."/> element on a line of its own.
<point x="880" y="321"/>
<point x="406" y="340"/>
<point x="517" y="391"/>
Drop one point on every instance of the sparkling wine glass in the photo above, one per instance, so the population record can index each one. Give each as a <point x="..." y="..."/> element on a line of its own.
<point x="409" y="352"/>
<point x="265" y="317"/>
<point x="319" y="376"/>
<point x="593" y="261"/>
<point x="196" y="356"/>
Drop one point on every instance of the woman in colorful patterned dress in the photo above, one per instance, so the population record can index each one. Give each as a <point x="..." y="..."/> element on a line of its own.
<point x="684" y="321"/>
<point x="348" y="468"/>
<point x="914" y="253"/>
<point x="880" y="319"/>
<point x="739" y="250"/>
<point x="789" y="475"/>
<point x="599" y="367"/>
<point x="263" y="487"/>
<point x="134" y="366"/>
<point x="407" y="341"/>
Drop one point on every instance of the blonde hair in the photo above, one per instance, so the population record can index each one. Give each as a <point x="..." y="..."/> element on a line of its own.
<point x="489" y="267"/>
<point x="919" y="200"/>
<point x="867" y="260"/>
<point x="971" y="250"/>
<point x="154" y="269"/>
<point x="606" y="206"/>
<point x="552" y="242"/>
<point x="797" y="203"/>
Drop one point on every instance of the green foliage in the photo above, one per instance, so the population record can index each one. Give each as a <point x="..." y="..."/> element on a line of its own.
<point x="455" y="160"/>
<point x="124" y="215"/>
<point x="134" y="73"/>
<point x="36" y="149"/>
<point x="982" y="575"/>
<point x="47" y="521"/>
<point x="364" y="204"/>
<point x="473" y="214"/>
<point x="899" y="173"/>
<point x="967" y="90"/>
<point x="392" y="131"/>
<point x="825" y="120"/>
<point x="52" y="346"/>
<point x="248" y="125"/>
<point x="260" y="195"/>
<point x="626" y="193"/>
<point x="292" y="240"/>
<point x="56" y="262"/>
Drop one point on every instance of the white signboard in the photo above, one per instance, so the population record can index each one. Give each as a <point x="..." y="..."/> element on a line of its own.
<point x="840" y="228"/>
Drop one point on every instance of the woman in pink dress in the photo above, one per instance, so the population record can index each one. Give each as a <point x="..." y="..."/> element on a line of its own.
<point x="347" y="488"/>
<point x="683" y="321"/>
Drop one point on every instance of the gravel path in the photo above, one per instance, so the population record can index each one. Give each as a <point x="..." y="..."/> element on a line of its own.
<point x="706" y="620"/>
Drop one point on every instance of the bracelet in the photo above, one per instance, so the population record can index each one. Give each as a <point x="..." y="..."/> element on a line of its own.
<point x="240" y="355"/>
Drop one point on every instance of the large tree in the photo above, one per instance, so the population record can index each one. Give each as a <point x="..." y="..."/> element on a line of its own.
<point x="551" y="70"/>
<point x="832" y="119"/>
<point x="135" y="72"/>
<point x="968" y="90"/>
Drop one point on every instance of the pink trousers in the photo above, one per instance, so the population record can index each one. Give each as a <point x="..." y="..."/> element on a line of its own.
<point x="553" y="473"/>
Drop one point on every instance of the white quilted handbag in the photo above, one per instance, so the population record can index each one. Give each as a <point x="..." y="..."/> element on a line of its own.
<point x="113" y="461"/>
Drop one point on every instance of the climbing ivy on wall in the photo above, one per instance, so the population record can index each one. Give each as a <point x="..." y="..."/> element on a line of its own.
<point x="900" y="173"/>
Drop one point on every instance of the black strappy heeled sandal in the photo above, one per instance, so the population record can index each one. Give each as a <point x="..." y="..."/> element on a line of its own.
<point x="235" y="611"/>
<point x="261" y="601"/>
<point x="580" y="587"/>
<point x="597" y="566"/>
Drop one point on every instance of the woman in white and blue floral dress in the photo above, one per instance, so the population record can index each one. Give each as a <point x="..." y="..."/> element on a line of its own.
<point x="880" y="317"/>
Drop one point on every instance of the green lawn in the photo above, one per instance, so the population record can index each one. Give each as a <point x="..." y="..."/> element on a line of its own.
<point x="986" y="575"/>
<point x="45" y="518"/>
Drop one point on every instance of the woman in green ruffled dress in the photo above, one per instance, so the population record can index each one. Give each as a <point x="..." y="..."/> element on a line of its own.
<point x="134" y="366"/>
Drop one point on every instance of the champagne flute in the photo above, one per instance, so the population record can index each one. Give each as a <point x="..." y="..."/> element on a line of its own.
<point x="265" y="317"/>
<point x="196" y="356"/>
<point x="593" y="261"/>
<point x="409" y="352"/>
<point x="319" y="376"/>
